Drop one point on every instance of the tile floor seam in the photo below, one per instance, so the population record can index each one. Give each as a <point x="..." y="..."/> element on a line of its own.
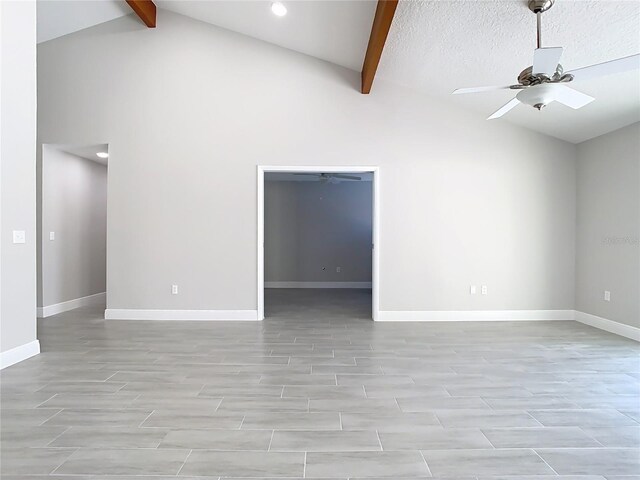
<point x="40" y="404"/>
<point x="426" y="463"/>
<point x="184" y="463"/>
<point x="488" y="440"/>
<point x="52" y="472"/>
<point x="200" y="391"/>
<point x="110" y="376"/>
<point x="435" y="414"/>
<point x="304" y="468"/>
<point x="146" y="418"/>
<point x="271" y="440"/>
<point x="49" y="418"/>
<point x="485" y="402"/>
<point x="629" y="417"/>
<point x="545" y="462"/>
<point x="58" y="436"/>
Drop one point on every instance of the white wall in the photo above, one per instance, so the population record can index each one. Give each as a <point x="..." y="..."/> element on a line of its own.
<point x="18" y="180"/>
<point x="74" y="207"/>
<point x="608" y="226"/>
<point x="189" y="110"/>
<point x="310" y="226"/>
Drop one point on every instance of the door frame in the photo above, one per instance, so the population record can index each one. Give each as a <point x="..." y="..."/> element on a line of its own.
<point x="375" y="234"/>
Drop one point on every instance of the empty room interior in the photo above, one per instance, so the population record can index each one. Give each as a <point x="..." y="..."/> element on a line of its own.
<point x="255" y="240"/>
<point x="318" y="244"/>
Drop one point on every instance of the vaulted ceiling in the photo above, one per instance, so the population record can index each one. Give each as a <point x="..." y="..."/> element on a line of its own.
<point x="433" y="46"/>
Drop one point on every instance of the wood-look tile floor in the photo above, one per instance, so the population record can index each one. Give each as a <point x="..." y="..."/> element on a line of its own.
<point x="319" y="391"/>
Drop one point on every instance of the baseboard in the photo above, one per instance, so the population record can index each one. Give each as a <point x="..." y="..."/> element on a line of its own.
<point x="202" y="315"/>
<point x="474" y="315"/>
<point x="96" y="299"/>
<point x="317" y="284"/>
<point x="18" y="354"/>
<point x="609" y="325"/>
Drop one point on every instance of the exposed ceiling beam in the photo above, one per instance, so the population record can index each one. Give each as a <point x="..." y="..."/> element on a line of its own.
<point x="146" y="10"/>
<point x="379" y="31"/>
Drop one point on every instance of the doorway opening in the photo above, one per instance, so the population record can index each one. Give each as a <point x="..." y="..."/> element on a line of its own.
<point x="318" y="248"/>
<point x="72" y="228"/>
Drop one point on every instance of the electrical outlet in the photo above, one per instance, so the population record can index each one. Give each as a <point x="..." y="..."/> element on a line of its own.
<point x="174" y="289"/>
<point x="472" y="290"/>
<point x="52" y="235"/>
<point x="338" y="269"/>
<point x="484" y="290"/>
<point x="607" y="296"/>
<point x="19" y="236"/>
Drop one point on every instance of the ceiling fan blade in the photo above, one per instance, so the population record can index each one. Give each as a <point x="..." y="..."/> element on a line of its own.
<point x="348" y="177"/>
<point x="570" y="97"/>
<point x="478" y="89"/>
<point x="611" y="67"/>
<point x="545" y="60"/>
<point x="313" y="174"/>
<point x="504" y="109"/>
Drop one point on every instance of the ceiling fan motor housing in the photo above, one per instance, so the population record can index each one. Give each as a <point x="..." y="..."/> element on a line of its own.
<point x="527" y="78"/>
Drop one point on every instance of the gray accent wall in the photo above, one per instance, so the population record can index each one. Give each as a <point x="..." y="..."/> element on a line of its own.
<point x="311" y="228"/>
<point x="189" y="110"/>
<point x="74" y="208"/>
<point x="17" y="173"/>
<point x="608" y="226"/>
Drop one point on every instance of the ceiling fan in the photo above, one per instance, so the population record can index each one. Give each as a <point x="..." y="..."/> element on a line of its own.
<point x="545" y="81"/>
<point x="331" y="177"/>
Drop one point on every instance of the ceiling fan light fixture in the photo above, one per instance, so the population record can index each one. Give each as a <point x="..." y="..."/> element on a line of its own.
<point x="538" y="96"/>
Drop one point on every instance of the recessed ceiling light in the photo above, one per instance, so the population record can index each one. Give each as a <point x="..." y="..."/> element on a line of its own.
<point x="279" y="9"/>
<point x="102" y="155"/>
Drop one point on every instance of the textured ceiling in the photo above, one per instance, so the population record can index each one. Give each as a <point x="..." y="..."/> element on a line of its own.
<point x="336" y="31"/>
<point x="438" y="46"/>
<point x="433" y="47"/>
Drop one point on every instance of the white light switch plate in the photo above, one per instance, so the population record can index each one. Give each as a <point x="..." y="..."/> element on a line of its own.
<point x="472" y="290"/>
<point x="607" y="296"/>
<point x="52" y="235"/>
<point x="19" y="236"/>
